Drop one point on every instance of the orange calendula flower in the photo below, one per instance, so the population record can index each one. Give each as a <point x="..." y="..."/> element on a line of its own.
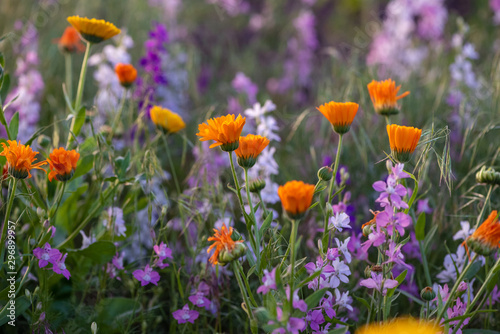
<point x="340" y="114"/>
<point x="167" y="119"/>
<point x="486" y="239"/>
<point x="70" y="41"/>
<point x="126" y="74"/>
<point x="401" y="326"/>
<point x="226" y="249"/>
<point x="224" y="130"/>
<point x="62" y="164"/>
<point x="249" y="149"/>
<point x="384" y="96"/>
<point x="93" y="30"/>
<point x="20" y="159"/>
<point x="296" y="198"/>
<point x="403" y="140"/>
<point x="366" y="227"/>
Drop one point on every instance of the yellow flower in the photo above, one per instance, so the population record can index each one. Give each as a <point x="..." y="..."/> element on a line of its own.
<point x="401" y="326"/>
<point x="62" y="164"/>
<point x="486" y="239"/>
<point x="224" y="130"/>
<point x="93" y="30"/>
<point x="249" y="149"/>
<point x="403" y="140"/>
<point x="20" y="159"/>
<point x="339" y="114"/>
<point x="384" y="96"/>
<point x="167" y="119"/>
<point x="226" y="249"/>
<point x="296" y="198"/>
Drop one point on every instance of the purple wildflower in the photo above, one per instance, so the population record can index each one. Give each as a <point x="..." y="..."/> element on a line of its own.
<point x="298" y="303"/>
<point x="315" y="318"/>
<point x="376" y="238"/>
<point x="391" y="193"/>
<point x="243" y="85"/>
<point x="185" y="315"/>
<point x="200" y="300"/>
<point x="391" y="221"/>
<point x="339" y="221"/>
<point x="269" y="282"/>
<point x="423" y="206"/>
<point x="46" y="255"/>
<point x="59" y="267"/>
<point x="377" y="281"/>
<point x="394" y="255"/>
<point x="146" y="276"/>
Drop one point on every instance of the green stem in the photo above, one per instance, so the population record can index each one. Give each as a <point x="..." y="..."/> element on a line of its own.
<point x="262" y="205"/>
<point x="61" y="194"/>
<point x="236" y="183"/>
<point x="491" y="274"/>
<point x="333" y="182"/>
<point x="486" y="200"/>
<point x="172" y="167"/>
<point x="387" y="120"/>
<point x="69" y="75"/>
<point x="247" y="285"/>
<point x="118" y="115"/>
<point x="242" y="290"/>
<point x="10" y="203"/>
<point x="425" y="264"/>
<point x="454" y="289"/>
<point x="79" y="92"/>
<point x="252" y="212"/>
<point x="293" y="237"/>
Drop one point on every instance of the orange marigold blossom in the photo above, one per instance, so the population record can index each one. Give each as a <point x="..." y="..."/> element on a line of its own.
<point x="93" y="30"/>
<point x="62" y="164"/>
<point x="384" y="96"/>
<point x="339" y="114"/>
<point x="226" y="249"/>
<point x="486" y="239"/>
<point x="296" y="198"/>
<point x="224" y="130"/>
<point x="249" y="149"/>
<point x="403" y="141"/>
<point x="126" y="74"/>
<point x="70" y="41"/>
<point x="20" y="159"/>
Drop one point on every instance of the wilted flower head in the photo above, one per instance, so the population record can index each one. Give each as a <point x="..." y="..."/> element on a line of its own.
<point x="226" y="249"/>
<point x="93" y="30"/>
<point x="224" y="130"/>
<point x="384" y="96"/>
<point x="20" y="159"/>
<point x="296" y="198"/>
<point x="62" y="164"/>
<point x="486" y="239"/>
<point x="249" y="149"/>
<point x="403" y="140"/>
<point x="339" y="114"/>
<point x="167" y="119"/>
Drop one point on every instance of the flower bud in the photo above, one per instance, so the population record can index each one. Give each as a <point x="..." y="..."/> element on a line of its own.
<point x="257" y="185"/>
<point x="228" y="256"/>
<point x="427" y="294"/>
<point x="39" y="306"/>
<point x="325" y="173"/>
<point x="377" y="268"/>
<point x="488" y="176"/>
<point x="93" y="328"/>
<point x="27" y="293"/>
<point x="368" y="272"/>
<point x="367" y="229"/>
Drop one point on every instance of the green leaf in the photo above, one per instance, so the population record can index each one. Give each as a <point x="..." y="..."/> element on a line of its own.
<point x="473" y="270"/>
<point x="420" y="227"/>
<point x="363" y="301"/>
<point x="21" y="304"/>
<point x="121" y="166"/>
<point x="341" y="330"/>
<point x="112" y="310"/>
<point x="100" y="252"/>
<point x="429" y="236"/>
<point x="14" y="126"/>
<point x="266" y="224"/>
<point x="313" y="300"/>
<point x="84" y="166"/>
<point x="400" y="280"/>
<point x="79" y="121"/>
<point x="4" y="90"/>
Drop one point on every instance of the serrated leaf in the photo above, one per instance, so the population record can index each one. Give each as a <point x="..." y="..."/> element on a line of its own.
<point x="420" y="227"/>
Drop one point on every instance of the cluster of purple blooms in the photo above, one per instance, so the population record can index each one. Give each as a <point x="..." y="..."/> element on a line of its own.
<point x="148" y="275"/>
<point x="154" y="77"/>
<point x="48" y="255"/>
<point x="199" y="298"/>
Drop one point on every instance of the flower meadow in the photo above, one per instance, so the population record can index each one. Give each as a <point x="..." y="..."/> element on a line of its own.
<point x="236" y="166"/>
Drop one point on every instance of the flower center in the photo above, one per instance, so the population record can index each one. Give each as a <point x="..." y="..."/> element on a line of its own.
<point x="146" y="277"/>
<point x="45" y="256"/>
